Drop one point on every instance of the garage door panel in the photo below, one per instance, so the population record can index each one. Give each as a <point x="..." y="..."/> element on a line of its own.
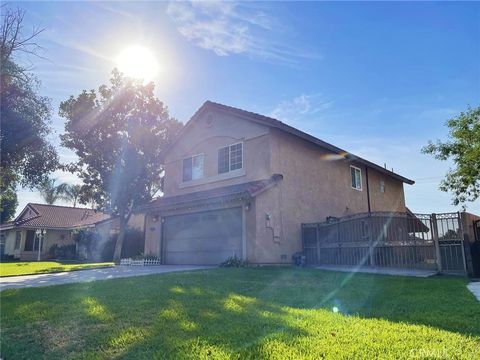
<point x="203" y="244"/>
<point x="201" y="258"/>
<point x="203" y="238"/>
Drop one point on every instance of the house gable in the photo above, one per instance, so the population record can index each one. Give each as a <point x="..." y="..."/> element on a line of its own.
<point x="205" y="134"/>
<point x="28" y="212"/>
<point x="272" y="123"/>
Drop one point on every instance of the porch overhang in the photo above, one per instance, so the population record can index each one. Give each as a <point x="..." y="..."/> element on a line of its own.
<point x="221" y="195"/>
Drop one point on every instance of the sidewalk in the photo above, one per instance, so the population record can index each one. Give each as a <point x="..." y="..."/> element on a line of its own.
<point x="90" y="275"/>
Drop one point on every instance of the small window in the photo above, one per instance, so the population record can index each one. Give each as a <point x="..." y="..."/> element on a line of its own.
<point x="382" y="186"/>
<point x="193" y="167"/>
<point x="18" y="239"/>
<point x="230" y="158"/>
<point x="356" y="177"/>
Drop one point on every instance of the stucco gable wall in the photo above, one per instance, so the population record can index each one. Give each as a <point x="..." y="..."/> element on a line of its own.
<point x="206" y="138"/>
<point x="313" y="187"/>
<point x="393" y="199"/>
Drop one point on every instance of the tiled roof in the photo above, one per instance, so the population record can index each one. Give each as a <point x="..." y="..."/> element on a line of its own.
<point x="53" y="216"/>
<point x="224" y="193"/>
<point x="274" y="123"/>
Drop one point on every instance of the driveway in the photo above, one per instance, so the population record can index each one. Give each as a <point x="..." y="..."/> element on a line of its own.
<point x="90" y="275"/>
<point x="474" y="288"/>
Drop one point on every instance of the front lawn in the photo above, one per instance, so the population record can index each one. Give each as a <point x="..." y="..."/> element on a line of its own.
<point x="244" y="313"/>
<point x="41" y="267"/>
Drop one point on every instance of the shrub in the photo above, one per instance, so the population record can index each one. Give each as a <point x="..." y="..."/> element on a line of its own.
<point x="234" y="261"/>
<point x="65" y="252"/>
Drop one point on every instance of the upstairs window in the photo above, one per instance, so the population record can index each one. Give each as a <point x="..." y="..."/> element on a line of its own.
<point x="230" y="158"/>
<point x="193" y="167"/>
<point x="382" y="186"/>
<point x="356" y="174"/>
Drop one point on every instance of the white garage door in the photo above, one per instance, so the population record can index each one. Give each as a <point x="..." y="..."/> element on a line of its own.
<point x="203" y="238"/>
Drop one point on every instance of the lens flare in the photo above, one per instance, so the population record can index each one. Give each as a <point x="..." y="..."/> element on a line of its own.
<point x="334" y="157"/>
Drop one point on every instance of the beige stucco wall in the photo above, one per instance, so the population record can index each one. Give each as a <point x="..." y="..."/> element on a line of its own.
<point x="204" y="139"/>
<point x="9" y="241"/>
<point x="314" y="185"/>
<point x="59" y="237"/>
<point x="393" y="199"/>
<point x="153" y="230"/>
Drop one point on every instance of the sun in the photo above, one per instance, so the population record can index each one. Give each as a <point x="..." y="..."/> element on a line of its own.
<point x="138" y="62"/>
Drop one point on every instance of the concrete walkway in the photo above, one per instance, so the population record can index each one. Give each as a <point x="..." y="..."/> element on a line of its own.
<point x="90" y="275"/>
<point x="474" y="287"/>
<point x="381" y="271"/>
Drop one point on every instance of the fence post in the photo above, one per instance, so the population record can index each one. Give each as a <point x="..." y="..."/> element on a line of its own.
<point x="371" y="246"/>
<point x="438" y="254"/>
<point x="462" y="242"/>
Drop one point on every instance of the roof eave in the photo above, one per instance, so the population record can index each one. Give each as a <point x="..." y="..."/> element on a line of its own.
<point x="307" y="137"/>
<point x="277" y="124"/>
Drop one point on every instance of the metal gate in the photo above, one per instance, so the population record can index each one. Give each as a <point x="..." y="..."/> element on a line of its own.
<point x="400" y="240"/>
<point x="448" y="231"/>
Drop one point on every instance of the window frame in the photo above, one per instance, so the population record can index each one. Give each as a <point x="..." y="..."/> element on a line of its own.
<point x="191" y="168"/>
<point x="230" y="158"/>
<point x="382" y="186"/>
<point x="351" y="178"/>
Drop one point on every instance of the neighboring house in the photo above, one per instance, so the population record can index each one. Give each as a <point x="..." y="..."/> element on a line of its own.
<point x="39" y="226"/>
<point x="239" y="183"/>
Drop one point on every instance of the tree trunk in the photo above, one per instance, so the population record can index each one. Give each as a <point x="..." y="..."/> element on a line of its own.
<point x="117" y="254"/>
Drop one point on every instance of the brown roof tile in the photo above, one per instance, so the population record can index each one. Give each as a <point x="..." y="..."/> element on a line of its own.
<point x="54" y="216"/>
<point x="247" y="189"/>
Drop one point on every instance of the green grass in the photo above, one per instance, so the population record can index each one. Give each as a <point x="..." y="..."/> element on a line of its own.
<point x="42" y="267"/>
<point x="244" y="314"/>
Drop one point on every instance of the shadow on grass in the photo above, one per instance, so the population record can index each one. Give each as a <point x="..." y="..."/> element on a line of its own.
<point x="218" y="313"/>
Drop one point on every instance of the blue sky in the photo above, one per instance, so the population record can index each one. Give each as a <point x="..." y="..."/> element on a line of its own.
<point x="378" y="79"/>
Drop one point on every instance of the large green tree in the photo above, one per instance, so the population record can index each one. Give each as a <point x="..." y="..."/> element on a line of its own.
<point x="8" y="195"/>
<point x="26" y="155"/>
<point x="463" y="147"/>
<point x="118" y="134"/>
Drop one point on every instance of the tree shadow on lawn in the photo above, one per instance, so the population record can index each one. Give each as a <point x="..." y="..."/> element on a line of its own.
<point x="209" y="320"/>
<point x="222" y="312"/>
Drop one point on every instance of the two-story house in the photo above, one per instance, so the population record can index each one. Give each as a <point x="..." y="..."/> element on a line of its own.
<point x="239" y="183"/>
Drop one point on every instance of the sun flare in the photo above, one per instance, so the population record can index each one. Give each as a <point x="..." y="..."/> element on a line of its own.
<point x="138" y="62"/>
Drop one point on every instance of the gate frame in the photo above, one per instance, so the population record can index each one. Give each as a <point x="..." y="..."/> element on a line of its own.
<point x="434" y="228"/>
